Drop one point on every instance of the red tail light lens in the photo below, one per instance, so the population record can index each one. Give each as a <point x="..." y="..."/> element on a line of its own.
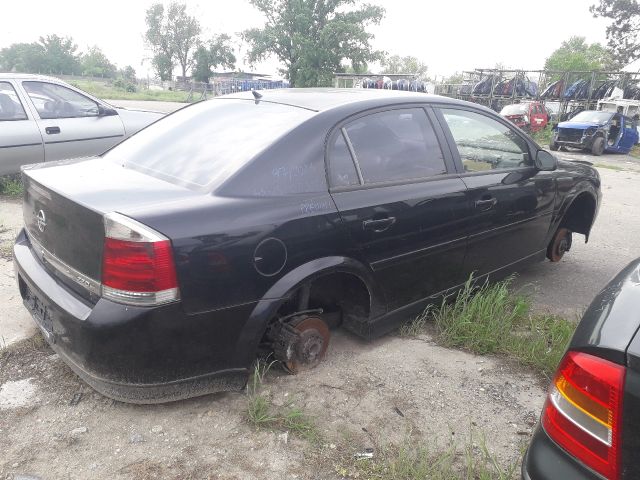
<point x="137" y="265"/>
<point x="583" y="411"/>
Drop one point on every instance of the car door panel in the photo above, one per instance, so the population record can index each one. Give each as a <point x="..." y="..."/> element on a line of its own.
<point x="65" y="134"/>
<point x="420" y="245"/>
<point x="629" y="134"/>
<point x="512" y="202"/>
<point x="20" y="142"/>
<point x="517" y="224"/>
<point x="410" y="229"/>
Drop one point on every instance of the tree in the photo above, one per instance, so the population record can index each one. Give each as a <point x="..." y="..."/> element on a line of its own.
<point x="576" y="55"/>
<point x="312" y="37"/>
<point x="22" y="57"/>
<point x="59" y="55"/>
<point x="172" y="36"/>
<point x="398" y="64"/>
<point x="218" y="53"/>
<point x="96" y="64"/>
<point x="622" y="33"/>
<point x="128" y="73"/>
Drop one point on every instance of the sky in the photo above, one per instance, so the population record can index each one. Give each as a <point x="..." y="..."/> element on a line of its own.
<point x="449" y="36"/>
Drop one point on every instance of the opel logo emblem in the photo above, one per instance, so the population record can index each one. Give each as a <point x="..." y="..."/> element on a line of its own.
<point x="41" y="218"/>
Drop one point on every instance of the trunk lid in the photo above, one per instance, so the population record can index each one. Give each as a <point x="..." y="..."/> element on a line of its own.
<point x="64" y="206"/>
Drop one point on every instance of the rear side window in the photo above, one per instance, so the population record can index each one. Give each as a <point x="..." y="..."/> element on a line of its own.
<point x="396" y="145"/>
<point x="10" y="105"/>
<point x="202" y="145"/>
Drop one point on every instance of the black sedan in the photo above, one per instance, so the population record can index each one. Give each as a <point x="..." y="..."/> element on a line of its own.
<point x="259" y="222"/>
<point x="590" y="427"/>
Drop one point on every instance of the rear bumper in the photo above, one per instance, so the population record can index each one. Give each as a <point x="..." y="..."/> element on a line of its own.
<point x="136" y="354"/>
<point x="545" y="460"/>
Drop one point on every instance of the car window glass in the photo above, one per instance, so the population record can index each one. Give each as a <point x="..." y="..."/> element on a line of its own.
<point x="204" y="144"/>
<point x="342" y="171"/>
<point x="10" y="105"/>
<point x="396" y="145"/>
<point x="484" y="143"/>
<point x="56" y="101"/>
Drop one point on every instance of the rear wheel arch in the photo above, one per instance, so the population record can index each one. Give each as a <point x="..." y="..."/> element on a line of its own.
<point x="333" y="274"/>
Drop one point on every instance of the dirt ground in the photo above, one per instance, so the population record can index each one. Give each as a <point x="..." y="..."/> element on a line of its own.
<point x="365" y="395"/>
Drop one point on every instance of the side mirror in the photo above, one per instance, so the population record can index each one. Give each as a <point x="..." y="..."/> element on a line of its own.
<point x="545" y="161"/>
<point x="106" y="111"/>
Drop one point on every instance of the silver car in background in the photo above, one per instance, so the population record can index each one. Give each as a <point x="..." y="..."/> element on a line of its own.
<point x="44" y="119"/>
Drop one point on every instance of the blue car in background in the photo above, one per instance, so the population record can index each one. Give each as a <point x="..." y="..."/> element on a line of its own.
<point x="597" y="132"/>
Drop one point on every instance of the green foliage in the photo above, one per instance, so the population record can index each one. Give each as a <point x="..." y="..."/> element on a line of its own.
<point x="172" y="34"/>
<point x="218" y="53"/>
<point x="488" y="319"/>
<point x="312" y="37"/>
<point x="11" y="185"/>
<point x="543" y="137"/>
<point x="109" y="91"/>
<point x="622" y="33"/>
<point x="398" y="64"/>
<point x="424" y="461"/>
<point x="128" y="73"/>
<point x="96" y="64"/>
<point x="576" y="54"/>
<point x="51" y="54"/>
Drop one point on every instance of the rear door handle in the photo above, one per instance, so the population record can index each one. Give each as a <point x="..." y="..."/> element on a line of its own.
<point x="486" y="203"/>
<point x="52" y="130"/>
<point x="379" y="225"/>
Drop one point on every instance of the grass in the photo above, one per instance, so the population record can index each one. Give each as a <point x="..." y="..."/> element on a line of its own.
<point x="489" y="319"/>
<point x="263" y="414"/>
<point x="11" y="185"/>
<point x="414" y="461"/>
<point x="543" y="137"/>
<point x="110" y="92"/>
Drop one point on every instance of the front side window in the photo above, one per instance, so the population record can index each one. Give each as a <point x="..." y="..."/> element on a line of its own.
<point x="55" y="101"/>
<point x="395" y="145"/>
<point x="10" y="105"/>
<point x="484" y="143"/>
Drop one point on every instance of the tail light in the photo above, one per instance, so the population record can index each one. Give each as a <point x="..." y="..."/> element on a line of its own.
<point x="137" y="264"/>
<point x="583" y="411"/>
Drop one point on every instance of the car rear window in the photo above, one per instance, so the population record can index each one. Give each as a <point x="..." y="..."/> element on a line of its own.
<point x="204" y="144"/>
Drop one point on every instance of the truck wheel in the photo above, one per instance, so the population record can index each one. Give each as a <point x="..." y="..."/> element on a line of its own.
<point x="597" y="148"/>
<point x="559" y="245"/>
<point x="553" y="146"/>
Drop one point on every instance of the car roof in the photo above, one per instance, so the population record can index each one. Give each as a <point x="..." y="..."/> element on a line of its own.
<point x="28" y="76"/>
<point x="321" y="99"/>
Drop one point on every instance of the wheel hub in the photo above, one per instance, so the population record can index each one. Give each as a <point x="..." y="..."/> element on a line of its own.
<point x="302" y="343"/>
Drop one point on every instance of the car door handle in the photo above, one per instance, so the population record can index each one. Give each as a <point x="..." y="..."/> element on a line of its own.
<point x="486" y="203"/>
<point x="379" y="225"/>
<point x="52" y="130"/>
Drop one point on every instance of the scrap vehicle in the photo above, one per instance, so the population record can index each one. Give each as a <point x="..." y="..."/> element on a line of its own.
<point x="590" y="423"/>
<point x="45" y="119"/>
<point x="596" y="132"/>
<point x="529" y="116"/>
<point x="256" y="223"/>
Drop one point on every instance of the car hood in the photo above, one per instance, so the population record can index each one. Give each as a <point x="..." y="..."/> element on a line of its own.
<point x="578" y="125"/>
<point x="135" y="120"/>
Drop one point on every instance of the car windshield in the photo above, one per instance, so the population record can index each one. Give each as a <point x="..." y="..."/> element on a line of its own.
<point x="592" y="117"/>
<point x="202" y="145"/>
<point x="518" y="109"/>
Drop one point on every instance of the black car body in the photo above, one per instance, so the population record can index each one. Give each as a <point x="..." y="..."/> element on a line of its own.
<point x="607" y="339"/>
<point x="160" y="269"/>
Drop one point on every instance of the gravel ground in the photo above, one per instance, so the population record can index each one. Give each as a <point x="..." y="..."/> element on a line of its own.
<point x="363" y="396"/>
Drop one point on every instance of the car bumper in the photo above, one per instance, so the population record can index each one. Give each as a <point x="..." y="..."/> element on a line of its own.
<point x="136" y="354"/>
<point x="545" y="460"/>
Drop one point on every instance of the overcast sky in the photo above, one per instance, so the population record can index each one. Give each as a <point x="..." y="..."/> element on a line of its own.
<point x="449" y="36"/>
